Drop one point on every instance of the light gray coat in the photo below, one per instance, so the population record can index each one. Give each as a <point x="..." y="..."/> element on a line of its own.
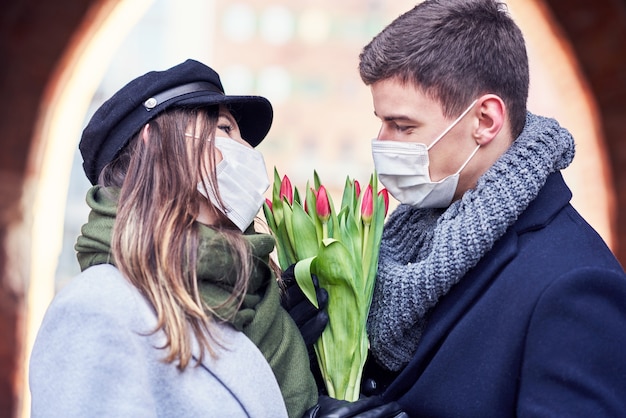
<point x="94" y="356"/>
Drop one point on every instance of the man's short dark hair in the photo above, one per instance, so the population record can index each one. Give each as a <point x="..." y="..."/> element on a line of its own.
<point x="454" y="51"/>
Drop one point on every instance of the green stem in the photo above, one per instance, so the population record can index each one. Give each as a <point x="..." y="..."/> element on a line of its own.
<point x="364" y="249"/>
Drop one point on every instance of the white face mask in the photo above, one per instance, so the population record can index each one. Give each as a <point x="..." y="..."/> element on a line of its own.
<point x="242" y="181"/>
<point x="403" y="168"/>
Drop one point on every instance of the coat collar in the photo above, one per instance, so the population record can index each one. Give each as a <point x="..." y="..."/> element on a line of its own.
<point x="554" y="195"/>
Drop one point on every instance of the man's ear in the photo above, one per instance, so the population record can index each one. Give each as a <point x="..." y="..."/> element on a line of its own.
<point x="491" y="118"/>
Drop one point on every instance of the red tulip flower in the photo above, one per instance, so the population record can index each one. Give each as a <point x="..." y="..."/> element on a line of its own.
<point x="367" y="205"/>
<point x="269" y="203"/>
<point x="357" y="188"/>
<point x="385" y="194"/>
<point x="286" y="190"/>
<point x="322" y="206"/>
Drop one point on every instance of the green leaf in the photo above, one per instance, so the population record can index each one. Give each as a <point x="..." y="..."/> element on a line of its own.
<point x="305" y="237"/>
<point x="269" y="217"/>
<point x="296" y="195"/>
<point x="311" y="204"/>
<point x="302" y="271"/>
<point x="316" y="180"/>
<point x="288" y="222"/>
<point x="277" y="204"/>
<point x="347" y="199"/>
<point x="376" y="233"/>
<point x="352" y="236"/>
<point x="286" y="255"/>
<point x="276" y="185"/>
<point x="333" y="225"/>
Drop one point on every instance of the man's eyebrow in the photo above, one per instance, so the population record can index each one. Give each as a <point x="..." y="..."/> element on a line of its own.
<point x="391" y="118"/>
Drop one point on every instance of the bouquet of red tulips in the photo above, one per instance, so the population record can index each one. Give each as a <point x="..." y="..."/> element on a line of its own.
<point x="341" y="249"/>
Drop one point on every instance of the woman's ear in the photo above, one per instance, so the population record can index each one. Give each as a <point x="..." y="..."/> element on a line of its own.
<point x="491" y="118"/>
<point x="145" y="133"/>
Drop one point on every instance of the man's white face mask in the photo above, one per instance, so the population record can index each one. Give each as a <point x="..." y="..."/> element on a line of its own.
<point x="242" y="181"/>
<point x="403" y="168"/>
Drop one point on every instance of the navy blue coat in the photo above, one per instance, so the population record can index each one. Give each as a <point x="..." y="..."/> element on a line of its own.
<point x="537" y="328"/>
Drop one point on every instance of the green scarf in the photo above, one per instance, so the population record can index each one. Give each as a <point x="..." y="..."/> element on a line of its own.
<point x="260" y="317"/>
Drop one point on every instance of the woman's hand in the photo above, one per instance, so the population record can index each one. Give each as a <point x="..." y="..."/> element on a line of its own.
<point x="310" y="320"/>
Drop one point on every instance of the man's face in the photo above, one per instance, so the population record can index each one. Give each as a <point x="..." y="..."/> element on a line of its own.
<point x="409" y="115"/>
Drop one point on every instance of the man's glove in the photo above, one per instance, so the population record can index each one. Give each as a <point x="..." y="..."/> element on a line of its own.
<point x="310" y="320"/>
<point x="375" y="378"/>
<point x="372" y="407"/>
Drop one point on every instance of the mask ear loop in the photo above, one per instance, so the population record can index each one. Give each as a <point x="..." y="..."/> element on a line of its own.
<point x="449" y="128"/>
<point x="468" y="160"/>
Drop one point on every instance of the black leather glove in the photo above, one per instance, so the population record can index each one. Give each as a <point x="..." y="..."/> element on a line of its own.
<point x="372" y="407"/>
<point x="310" y="320"/>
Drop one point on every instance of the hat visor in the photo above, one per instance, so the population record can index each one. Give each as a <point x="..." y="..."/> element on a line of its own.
<point x="253" y="114"/>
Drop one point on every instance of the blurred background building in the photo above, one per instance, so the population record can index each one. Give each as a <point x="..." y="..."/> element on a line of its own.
<point x="61" y="60"/>
<point x="302" y="56"/>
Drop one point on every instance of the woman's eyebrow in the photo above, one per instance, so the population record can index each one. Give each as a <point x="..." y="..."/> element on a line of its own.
<point x="227" y="115"/>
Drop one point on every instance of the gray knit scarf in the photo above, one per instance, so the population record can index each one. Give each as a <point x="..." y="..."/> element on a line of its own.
<point x="424" y="252"/>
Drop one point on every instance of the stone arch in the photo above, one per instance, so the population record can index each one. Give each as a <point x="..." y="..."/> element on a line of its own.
<point x="35" y="35"/>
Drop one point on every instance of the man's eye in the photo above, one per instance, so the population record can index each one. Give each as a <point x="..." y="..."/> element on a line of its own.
<point x="401" y="128"/>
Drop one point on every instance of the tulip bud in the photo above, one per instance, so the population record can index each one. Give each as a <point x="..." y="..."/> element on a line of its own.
<point x="357" y="188"/>
<point x="367" y="205"/>
<point x="268" y="203"/>
<point x="286" y="191"/>
<point x="322" y="206"/>
<point x="385" y="194"/>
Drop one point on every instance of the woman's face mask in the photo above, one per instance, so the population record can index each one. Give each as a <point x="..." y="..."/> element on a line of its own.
<point x="403" y="168"/>
<point x="242" y="181"/>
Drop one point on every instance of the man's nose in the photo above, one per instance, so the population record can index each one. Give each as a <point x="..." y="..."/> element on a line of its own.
<point x="384" y="133"/>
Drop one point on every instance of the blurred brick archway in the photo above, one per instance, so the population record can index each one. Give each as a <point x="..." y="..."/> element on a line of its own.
<point x="34" y="36"/>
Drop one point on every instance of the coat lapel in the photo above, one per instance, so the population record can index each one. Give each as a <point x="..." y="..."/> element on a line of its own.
<point x="451" y="308"/>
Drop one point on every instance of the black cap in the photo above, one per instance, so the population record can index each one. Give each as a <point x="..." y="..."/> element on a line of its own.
<point x="188" y="84"/>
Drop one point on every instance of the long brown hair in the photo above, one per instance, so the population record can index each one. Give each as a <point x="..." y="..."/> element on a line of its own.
<point x="155" y="237"/>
